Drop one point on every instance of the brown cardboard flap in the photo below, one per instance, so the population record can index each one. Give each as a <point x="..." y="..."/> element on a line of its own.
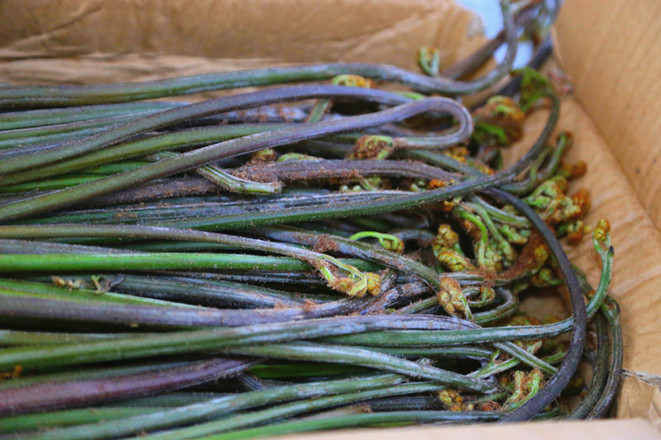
<point x="612" y="50"/>
<point x="640" y="397"/>
<point x="204" y="32"/>
<point x="614" y="63"/>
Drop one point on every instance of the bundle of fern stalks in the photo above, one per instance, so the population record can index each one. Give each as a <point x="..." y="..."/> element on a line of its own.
<point x="350" y="250"/>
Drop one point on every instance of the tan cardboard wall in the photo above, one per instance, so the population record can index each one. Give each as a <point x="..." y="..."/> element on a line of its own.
<point x="615" y="65"/>
<point x="97" y="40"/>
<point x="612" y="50"/>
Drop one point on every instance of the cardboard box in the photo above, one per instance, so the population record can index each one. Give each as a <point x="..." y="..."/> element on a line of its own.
<point x="610" y="50"/>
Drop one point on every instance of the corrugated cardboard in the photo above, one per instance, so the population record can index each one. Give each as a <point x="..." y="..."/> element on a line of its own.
<point x="88" y="41"/>
<point x="615" y="64"/>
<point x="611" y="50"/>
